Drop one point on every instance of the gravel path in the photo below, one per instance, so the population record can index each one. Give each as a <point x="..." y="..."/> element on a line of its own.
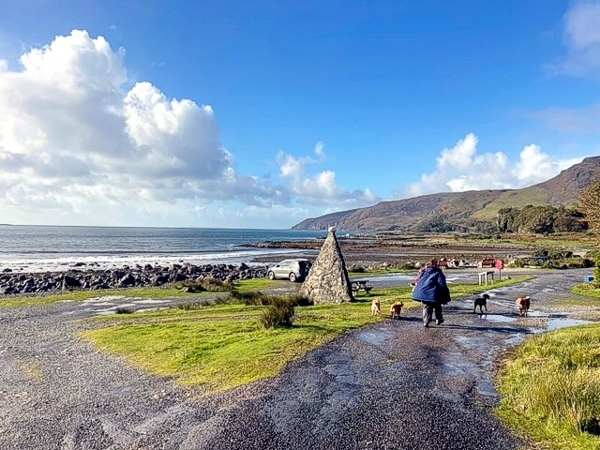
<point x="390" y="385"/>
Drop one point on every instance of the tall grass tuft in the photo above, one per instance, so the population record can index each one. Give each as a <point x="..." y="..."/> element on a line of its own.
<point x="250" y="297"/>
<point x="551" y="388"/>
<point x="204" y="285"/>
<point x="278" y="314"/>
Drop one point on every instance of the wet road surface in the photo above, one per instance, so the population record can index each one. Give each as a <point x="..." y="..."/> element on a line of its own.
<point x="390" y="385"/>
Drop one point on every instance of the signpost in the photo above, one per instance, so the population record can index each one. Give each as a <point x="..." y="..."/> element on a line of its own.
<point x="499" y="265"/>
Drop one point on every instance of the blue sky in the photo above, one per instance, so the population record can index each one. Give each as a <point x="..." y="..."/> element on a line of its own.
<point x="260" y="114"/>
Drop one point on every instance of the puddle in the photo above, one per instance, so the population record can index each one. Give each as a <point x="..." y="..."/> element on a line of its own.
<point x="104" y="298"/>
<point x="141" y="310"/>
<point x="388" y="277"/>
<point x="151" y="301"/>
<point x="486" y="388"/>
<point x="373" y="337"/>
<point x="554" y="324"/>
<point x="498" y="318"/>
<point x="514" y="339"/>
<point x="107" y="304"/>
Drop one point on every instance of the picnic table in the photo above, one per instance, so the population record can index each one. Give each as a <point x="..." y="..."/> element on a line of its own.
<point x="485" y="276"/>
<point x="360" y="285"/>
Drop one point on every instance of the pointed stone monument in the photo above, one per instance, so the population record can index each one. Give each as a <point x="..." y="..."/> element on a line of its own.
<point x="328" y="281"/>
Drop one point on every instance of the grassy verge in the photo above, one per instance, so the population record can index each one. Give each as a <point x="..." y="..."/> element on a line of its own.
<point x="80" y="295"/>
<point x="589" y="292"/>
<point x="550" y="388"/>
<point x="217" y="347"/>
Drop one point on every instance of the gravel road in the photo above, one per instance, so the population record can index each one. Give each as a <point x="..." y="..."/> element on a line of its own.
<point x="390" y="385"/>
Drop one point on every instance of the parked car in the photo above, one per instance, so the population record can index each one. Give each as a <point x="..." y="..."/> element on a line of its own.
<point x="290" y="269"/>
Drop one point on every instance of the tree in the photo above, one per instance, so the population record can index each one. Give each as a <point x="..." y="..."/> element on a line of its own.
<point x="589" y="203"/>
<point x="505" y="219"/>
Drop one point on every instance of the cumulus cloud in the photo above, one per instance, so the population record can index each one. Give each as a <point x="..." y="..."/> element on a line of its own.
<point x="581" y="35"/>
<point x="74" y="144"/>
<point x="463" y="168"/>
<point x="320" y="189"/>
<point x="80" y="145"/>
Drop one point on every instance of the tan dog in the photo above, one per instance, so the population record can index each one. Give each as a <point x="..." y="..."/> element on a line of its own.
<point x="523" y="303"/>
<point x="375" y="307"/>
<point x="396" y="309"/>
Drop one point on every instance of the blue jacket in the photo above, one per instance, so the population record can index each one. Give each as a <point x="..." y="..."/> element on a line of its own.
<point x="431" y="287"/>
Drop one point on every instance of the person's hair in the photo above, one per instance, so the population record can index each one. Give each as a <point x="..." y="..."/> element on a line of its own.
<point x="433" y="263"/>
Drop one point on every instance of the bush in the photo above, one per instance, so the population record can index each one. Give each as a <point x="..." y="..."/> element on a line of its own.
<point x="251" y="298"/>
<point x="278" y="314"/>
<point x="301" y="301"/>
<point x="406" y="266"/>
<point x="204" y="285"/>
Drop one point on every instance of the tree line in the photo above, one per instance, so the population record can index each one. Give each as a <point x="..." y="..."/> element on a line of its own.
<point x="549" y="219"/>
<point x="540" y="220"/>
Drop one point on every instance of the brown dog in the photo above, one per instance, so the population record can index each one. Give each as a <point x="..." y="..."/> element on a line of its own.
<point x="396" y="309"/>
<point x="523" y="304"/>
<point x="375" y="307"/>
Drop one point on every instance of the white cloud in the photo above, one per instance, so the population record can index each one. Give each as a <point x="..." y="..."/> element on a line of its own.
<point x="581" y="33"/>
<point x="571" y="120"/>
<point x="320" y="189"/>
<point x="462" y="168"/>
<point x="77" y="146"/>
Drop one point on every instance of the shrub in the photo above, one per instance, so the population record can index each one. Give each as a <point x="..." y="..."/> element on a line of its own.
<point x="188" y="306"/>
<point x="278" y="314"/>
<point x="406" y="266"/>
<point x="204" y="285"/>
<point x="124" y="310"/>
<point x="301" y="301"/>
<point x="251" y="297"/>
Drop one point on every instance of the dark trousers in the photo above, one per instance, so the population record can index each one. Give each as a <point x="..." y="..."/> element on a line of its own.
<point x="429" y="309"/>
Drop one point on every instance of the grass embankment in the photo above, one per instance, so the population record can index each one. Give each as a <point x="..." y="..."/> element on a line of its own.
<point x="221" y="346"/>
<point x="550" y="384"/>
<point x="80" y="295"/>
<point x="590" y="293"/>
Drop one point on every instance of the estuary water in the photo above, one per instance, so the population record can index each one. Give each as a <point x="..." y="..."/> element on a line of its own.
<point x="48" y="248"/>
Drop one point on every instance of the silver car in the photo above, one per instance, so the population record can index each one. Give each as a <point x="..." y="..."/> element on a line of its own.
<point x="290" y="269"/>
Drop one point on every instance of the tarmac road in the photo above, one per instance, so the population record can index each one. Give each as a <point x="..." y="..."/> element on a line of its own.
<point x="390" y="385"/>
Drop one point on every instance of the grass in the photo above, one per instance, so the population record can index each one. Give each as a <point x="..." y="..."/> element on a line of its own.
<point x="588" y="294"/>
<point x="221" y="346"/>
<point x="550" y="388"/>
<point x="80" y="295"/>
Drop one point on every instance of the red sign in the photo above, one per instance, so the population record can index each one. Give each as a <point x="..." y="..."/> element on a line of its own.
<point x="499" y="264"/>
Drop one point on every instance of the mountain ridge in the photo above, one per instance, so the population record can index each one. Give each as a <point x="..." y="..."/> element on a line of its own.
<point x="465" y="209"/>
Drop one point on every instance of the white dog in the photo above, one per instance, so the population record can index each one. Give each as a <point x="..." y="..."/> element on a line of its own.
<point x="375" y="307"/>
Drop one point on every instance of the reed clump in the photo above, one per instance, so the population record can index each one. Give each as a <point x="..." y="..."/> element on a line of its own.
<point x="550" y="388"/>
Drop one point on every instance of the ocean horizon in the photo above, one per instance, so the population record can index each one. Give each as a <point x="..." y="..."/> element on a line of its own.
<point x="40" y="248"/>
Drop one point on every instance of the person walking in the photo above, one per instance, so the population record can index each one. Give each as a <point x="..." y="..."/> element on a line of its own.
<point x="432" y="291"/>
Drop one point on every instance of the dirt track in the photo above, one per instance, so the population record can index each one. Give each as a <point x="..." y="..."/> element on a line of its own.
<point x="391" y="385"/>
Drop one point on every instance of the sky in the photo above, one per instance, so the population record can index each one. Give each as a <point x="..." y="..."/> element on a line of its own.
<point x="260" y="114"/>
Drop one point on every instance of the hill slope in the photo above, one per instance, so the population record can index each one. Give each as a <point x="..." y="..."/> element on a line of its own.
<point x="461" y="208"/>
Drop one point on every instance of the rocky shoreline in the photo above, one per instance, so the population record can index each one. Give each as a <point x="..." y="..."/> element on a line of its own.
<point x="141" y="276"/>
<point x="368" y="251"/>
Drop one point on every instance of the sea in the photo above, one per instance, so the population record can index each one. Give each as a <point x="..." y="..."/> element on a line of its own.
<point x="25" y="248"/>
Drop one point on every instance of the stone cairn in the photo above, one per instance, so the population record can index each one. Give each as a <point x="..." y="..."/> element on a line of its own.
<point x="328" y="281"/>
